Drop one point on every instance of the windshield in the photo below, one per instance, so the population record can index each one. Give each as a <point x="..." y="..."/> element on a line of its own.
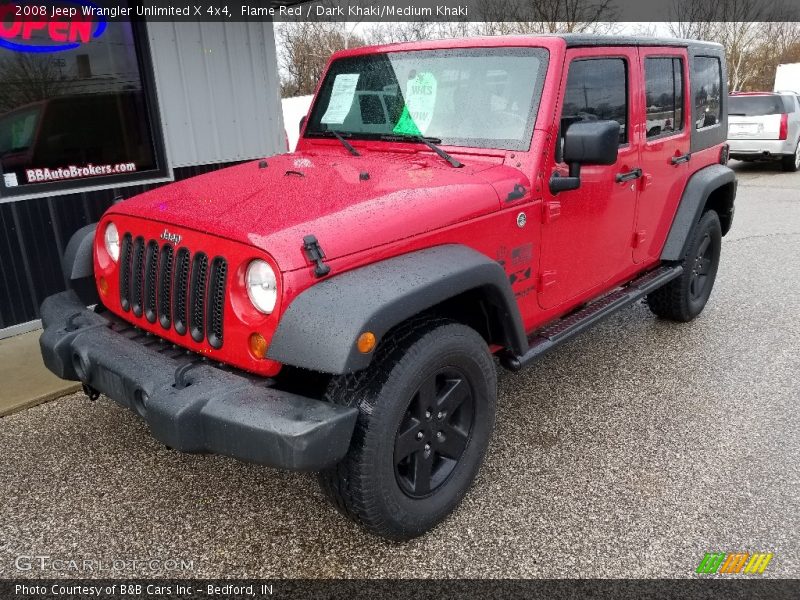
<point x="484" y="98"/>
<point x="17" y="129"/>
<point x="755" y="106"/>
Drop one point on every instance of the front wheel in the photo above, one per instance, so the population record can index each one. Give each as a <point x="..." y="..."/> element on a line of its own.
<point x="427" y="407"/>
<point x="685" y="297"/>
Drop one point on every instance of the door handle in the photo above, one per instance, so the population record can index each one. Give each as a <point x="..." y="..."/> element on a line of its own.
<point x="676" y="160"/>
<point x="629" y="176"/>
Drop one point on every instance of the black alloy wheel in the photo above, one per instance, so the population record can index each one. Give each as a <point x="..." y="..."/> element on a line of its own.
<point x="434" y="432"/>
<point x="701" y="268"/>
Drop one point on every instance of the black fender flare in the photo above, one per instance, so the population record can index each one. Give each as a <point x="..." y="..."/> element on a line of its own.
<point x="78" y="264"/>
<point x="319" y="329"/>
<point x="695" y="195"/>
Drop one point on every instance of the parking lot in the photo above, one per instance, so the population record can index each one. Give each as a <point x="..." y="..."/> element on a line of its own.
<point x="629" y="452"/>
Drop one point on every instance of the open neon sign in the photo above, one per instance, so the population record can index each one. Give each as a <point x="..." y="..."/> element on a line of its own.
<point x="67" y="27"/>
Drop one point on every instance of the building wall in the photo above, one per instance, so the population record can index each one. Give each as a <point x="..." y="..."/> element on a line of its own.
<point x="217" y="86"/>
<point x="33" y="236"/>
<point x="218" y="90"/>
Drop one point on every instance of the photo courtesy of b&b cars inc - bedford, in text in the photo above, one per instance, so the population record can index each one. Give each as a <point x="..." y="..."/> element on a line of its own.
<point x="367" y="298"/>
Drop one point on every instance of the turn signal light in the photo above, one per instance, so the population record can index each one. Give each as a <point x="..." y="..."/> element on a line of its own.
<point x="366" y="342"/>
<point x="102" y="284"/>
<point x="258" y="345"/>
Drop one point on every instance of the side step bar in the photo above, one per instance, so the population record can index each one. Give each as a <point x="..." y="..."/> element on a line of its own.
<point x="565" y="328"/>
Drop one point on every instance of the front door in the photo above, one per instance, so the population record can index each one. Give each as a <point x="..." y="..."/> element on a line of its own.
<point x="587" y="233"/>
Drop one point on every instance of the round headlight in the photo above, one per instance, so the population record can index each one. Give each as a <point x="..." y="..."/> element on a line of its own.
<point x="262" y="286"/>
<point x="111" y="239"/>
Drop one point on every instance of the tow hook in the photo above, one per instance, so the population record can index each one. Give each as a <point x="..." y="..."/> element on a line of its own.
<point x="181" y="380"/>
<point x="71" y="324"/>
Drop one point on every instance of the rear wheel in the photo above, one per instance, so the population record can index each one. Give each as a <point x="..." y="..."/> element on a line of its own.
<point x="791" y="162"/>
<point x="684" y="298"/>
<point x="427" y="406"/>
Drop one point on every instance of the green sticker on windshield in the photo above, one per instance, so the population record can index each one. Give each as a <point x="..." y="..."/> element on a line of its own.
<point x="420" y="101"/>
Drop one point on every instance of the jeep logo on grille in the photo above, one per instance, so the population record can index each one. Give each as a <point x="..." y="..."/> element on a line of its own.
<point x="173" y="238"/>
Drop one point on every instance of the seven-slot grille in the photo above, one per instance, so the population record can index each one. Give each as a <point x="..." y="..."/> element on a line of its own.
<point x="179" y="290"/>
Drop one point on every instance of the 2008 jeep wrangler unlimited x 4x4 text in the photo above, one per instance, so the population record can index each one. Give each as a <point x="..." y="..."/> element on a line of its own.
<point x="338" y="309"/>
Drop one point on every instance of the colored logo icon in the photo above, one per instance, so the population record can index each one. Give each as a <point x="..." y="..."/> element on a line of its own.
<point x="734" y="562"/>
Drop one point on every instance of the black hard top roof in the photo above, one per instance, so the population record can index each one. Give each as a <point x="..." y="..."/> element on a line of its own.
<point x="578" y="40"/>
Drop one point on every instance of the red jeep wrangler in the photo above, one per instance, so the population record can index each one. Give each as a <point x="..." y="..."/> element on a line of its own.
<point x="339" y="309"/>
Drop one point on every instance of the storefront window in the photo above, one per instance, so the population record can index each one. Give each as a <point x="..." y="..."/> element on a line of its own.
<point x="72" y="114"/>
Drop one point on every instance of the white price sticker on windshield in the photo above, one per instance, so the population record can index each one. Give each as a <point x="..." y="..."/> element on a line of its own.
<point x="344" y="90"/>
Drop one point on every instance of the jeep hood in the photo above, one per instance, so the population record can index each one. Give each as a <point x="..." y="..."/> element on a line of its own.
<point x="349" y="203"/>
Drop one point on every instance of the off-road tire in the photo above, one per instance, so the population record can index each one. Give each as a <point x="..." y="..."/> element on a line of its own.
<point x="791" y="162"/>
<point x="681" y="300"/>
<point x="366" y="485"/>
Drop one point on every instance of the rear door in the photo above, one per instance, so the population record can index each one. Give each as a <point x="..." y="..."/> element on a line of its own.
<point x="665" y="151"/>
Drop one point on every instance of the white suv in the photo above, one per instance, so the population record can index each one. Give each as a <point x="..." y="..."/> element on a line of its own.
<point x="765" y="126"/>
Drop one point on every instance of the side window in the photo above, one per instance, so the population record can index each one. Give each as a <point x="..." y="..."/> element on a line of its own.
<point x="664" y="95"/>
<point x="707" y="86"/>
<point x="597" y="89"/>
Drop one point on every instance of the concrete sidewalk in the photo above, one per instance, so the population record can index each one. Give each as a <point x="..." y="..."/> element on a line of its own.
<point x="24" y="380"/>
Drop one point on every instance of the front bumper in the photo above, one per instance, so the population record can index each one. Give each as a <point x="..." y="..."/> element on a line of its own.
<point x="766" y="149"/>
<point x="191" y="405"/>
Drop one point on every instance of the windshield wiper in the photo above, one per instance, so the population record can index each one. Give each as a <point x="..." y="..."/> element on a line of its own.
<point x="345" y="143"/>
<point x="338" y="136"/>
<point x="428" y="141"/>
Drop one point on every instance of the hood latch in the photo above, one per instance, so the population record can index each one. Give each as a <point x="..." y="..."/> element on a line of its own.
<point x="316" y="255"/>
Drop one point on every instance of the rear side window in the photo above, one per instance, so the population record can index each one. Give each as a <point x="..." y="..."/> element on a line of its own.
<point x="597" y="89"/>
<point x="707" y="91"/>
<point x="756" y="106"/>
<point x="664" y="94"/>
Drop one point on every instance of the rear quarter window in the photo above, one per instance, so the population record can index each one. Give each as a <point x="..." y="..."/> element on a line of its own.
<point x="707" y="91"/>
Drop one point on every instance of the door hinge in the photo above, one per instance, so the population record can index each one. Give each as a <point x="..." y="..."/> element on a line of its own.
<point x="547" y="279"/>
<point x="552" y="210"/>
<point x="639" y="238"/>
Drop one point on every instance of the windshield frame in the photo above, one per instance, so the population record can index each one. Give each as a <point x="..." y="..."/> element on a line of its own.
<point x="314" y="130"/>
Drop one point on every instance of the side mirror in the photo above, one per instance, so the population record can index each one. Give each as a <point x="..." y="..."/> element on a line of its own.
<point x="586" y="143"/>
<point x="302" y="122"/>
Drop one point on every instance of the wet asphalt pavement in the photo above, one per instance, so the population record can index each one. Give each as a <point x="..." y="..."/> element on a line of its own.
<point x="629" y="452"/>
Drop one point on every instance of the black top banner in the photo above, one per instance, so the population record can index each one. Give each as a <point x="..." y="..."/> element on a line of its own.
<point x="560" y="14"/>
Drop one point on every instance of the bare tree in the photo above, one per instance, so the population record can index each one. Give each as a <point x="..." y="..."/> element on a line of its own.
<point x="305" y="47"/>
<point x="412" y="31"/>
<point x="26" y="78"/>
<point x="645" y="30"/>
<point x="780" y="44"/>
<point x="546" y="16"/>
<point x="743" y="27"/>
